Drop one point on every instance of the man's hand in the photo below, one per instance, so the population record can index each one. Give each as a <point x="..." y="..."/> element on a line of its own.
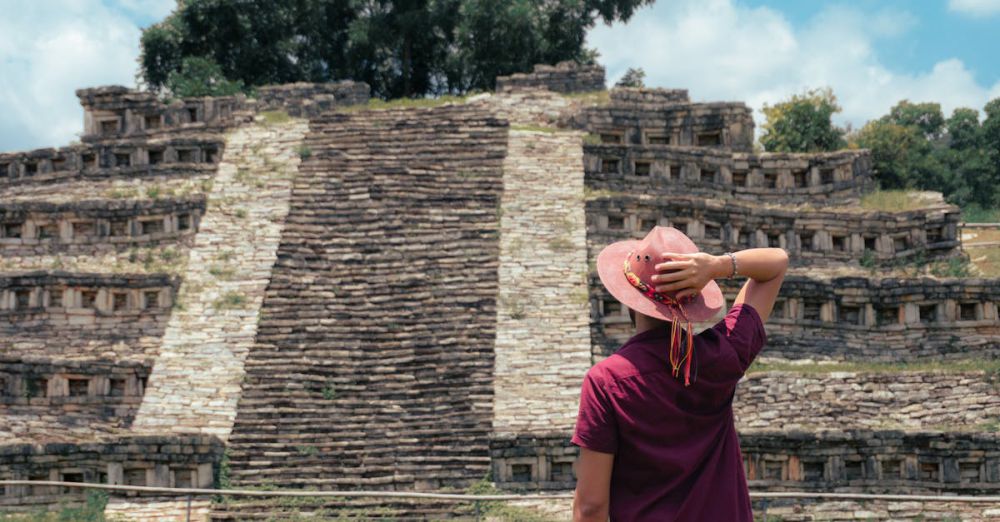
<point x="687" y="274"/>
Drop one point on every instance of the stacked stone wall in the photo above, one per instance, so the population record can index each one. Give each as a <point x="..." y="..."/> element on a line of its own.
<point x="312" y="99"/>
<point x="725" y="126"/>
<point x="687" y="171"/>
<point x="543" y="338"/>
<point x="373" y="363"/>
<point x="815" y="237"/>
<point x="565" y="77"/>
<point x="883" y="319"/>
<point x="67" y="400"/>
<point x="91" y="227"/>
<point x="873" y="461"/>
<point x="642" y="96"/>
<point x="114" y="112"/>
<point x="120" y="159"/>
<point x="134" y="461"/>
<point x="198" y="373"/>
<point x="54" y="314"/>
<point x="835" y="401"/>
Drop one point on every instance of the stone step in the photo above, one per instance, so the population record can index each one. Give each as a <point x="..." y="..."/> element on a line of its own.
<point x="877" y="398"/>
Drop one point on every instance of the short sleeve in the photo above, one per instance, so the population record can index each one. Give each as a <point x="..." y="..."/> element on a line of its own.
<point x="744" y="330"/>
<point x="596" y="426"/>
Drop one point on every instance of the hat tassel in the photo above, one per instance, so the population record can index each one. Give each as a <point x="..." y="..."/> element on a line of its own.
<point x="675" y="352"/>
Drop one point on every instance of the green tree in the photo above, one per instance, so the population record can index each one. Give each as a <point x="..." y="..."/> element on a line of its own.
<point x="914" y="146"/>
<point x="632" y="78"/>
<point x="399" y="47"/>
<point x="898" y="152"/>
<point x="924" y="116"/>
<point x="802" y="124"/>
<point x="964" y="130"/>
<point x="200" y="77"/>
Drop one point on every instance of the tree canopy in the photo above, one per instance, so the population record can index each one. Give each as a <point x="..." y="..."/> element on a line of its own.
<point x="633" y="77"/>
<point x="915" y="146"/>
<point x="802" y="124"/>
<point x="399" y="47"/>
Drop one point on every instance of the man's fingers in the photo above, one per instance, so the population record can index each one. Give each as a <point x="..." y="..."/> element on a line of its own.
<point x="670" y="287"/>
<point x="670" y="276"/>
<point x="672" y="265"/>
<point x="686" y="293"/>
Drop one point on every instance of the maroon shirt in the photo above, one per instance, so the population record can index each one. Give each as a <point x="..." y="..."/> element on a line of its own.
<point x="677" y="455"/>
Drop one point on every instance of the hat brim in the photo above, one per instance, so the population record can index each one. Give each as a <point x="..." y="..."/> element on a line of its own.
<point x="702" y="307"/>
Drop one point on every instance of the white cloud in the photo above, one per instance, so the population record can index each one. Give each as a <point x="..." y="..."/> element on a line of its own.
<point x="49" y="50"/>
<point x="724" y="50"/>
<point x="975" y="7"/>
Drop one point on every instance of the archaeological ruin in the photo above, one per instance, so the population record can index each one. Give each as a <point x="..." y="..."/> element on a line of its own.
<point x="310" y="290"/>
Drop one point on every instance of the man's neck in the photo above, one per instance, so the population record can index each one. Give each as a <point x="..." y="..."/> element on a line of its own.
<point x="643" y="323"/>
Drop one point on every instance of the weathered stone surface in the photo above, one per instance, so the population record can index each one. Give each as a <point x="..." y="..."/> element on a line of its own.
<point x="373" y="362"/>
<point x="943" y="401"/>
<point x="197" y="376"/>
<point x="672" y="170"/>
<point x="562" y="77"/>
<point x="543" y="340"/>
<point x="397" y="299"/>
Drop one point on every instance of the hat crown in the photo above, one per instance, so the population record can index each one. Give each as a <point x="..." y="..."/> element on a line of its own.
<point x="649" y="252"/>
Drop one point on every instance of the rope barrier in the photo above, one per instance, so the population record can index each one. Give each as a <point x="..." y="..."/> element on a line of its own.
<point x="979" y="225"/>
<point x="471" y="498"/>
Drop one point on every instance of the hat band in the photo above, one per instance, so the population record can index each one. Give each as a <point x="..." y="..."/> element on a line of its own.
<point x="675" y="354"/>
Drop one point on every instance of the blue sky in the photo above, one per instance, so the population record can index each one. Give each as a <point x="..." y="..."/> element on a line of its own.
<point x="872" y="53"/>
<point x="937" y="33"/>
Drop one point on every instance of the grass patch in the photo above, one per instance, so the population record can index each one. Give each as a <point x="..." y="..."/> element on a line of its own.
<point x="602" y="97"/>
<point x="378" y="104"/>
<point x="498" y="510"/>
<point x="986" y="260"/>
<point x="954" y="267"/>
<point x="307" y="450"/>
<point x="275" y="117"/>
<point x="534" y="128"/>
<point x="978" y="214"/>
<point x="153" y="192"/>
<point x="589" y="193"/>
<point x="513" y="306"/>
<point x="560" y="244"/>
<point x="990" y="367"/>
<point x="893" y="200"/>
<point x="241" y="213"/>
<point x="304" y="152"/>
<point x="592" y="139"/>
<point x="123" y="193"/>
<point x="92" y="510"/>
<point x="329" y="393"/>
<point x="221" y="272"/>
<point x="230" y="301"/>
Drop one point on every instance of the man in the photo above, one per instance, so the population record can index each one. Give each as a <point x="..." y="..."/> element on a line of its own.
<point x="655" y="426"/>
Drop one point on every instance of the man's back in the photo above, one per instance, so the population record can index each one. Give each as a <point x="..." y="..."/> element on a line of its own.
<point x="677" y="454"/>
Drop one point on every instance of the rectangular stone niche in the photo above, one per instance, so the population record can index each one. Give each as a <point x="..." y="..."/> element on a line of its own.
<point x="709" y="139"/>
<point x="642" y="168"/>
<point x="813" y="471"/>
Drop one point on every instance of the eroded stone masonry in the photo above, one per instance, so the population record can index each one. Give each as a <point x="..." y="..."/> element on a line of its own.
<point x="299" y="290"/>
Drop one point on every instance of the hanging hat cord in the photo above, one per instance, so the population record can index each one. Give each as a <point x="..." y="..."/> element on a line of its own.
<point x="676" y="355"/>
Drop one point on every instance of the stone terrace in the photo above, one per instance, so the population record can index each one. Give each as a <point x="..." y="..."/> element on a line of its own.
<point x="398" y="299"/>
<point x="375" y="347"/>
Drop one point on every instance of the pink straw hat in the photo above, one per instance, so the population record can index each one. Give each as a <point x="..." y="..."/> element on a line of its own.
<point x="638" y="294"/>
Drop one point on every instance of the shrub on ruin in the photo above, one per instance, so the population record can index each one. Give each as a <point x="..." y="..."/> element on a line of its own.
<point x="803" y="123"/>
